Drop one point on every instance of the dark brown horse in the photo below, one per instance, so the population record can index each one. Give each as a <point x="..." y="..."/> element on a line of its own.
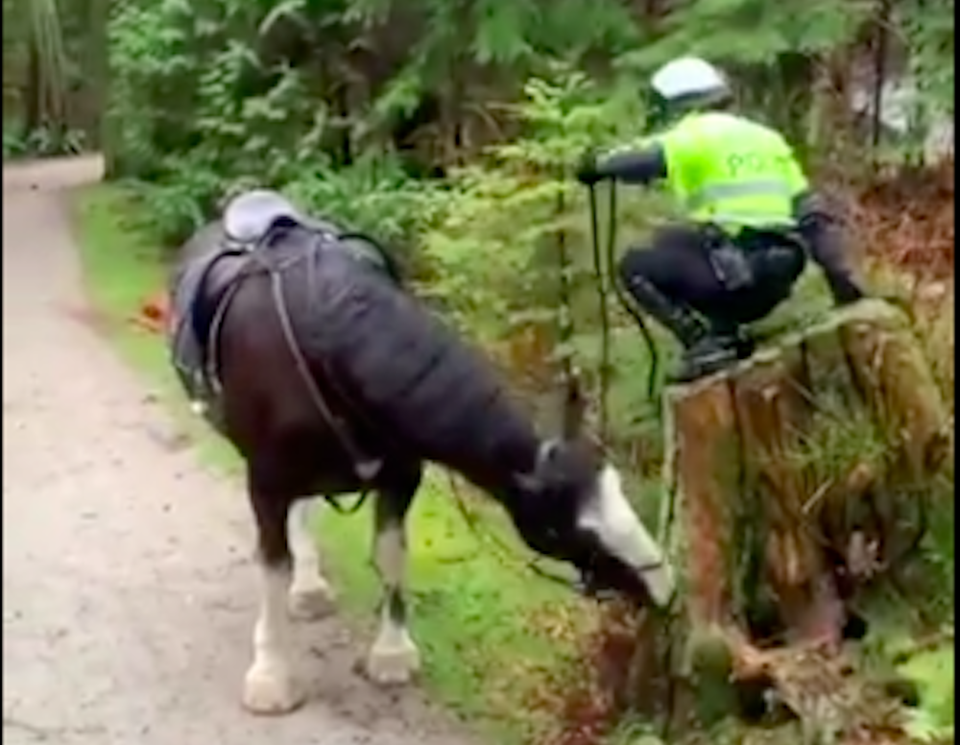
<point x="329" y="377"/>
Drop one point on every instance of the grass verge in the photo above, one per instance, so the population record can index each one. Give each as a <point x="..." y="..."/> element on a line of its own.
<point x="474" y="610"/>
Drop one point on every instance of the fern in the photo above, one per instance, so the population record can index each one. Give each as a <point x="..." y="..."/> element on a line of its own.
<point x="933" y="672"/>
<point x="502" y="30"/>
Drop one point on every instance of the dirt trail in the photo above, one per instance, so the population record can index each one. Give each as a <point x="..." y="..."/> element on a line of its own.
<point x="128" y="591"/>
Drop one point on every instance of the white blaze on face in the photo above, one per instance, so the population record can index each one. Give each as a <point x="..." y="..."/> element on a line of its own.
<point x="609" y="516"/>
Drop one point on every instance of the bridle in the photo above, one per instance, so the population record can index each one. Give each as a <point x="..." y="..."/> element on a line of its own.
<point x="582" y="586"/>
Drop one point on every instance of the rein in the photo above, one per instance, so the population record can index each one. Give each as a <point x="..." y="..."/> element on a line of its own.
<point x="600" y="273"/>
<point x="502" y="552"/>
<point x="505" y="553"/>
<point x="625" y="300"/>
<point x="603" y="261"/>
<point x="365" y="468"/>
<point x="508" y="559"/>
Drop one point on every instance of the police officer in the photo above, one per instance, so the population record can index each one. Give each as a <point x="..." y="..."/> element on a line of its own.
<point x="751" y="217"/>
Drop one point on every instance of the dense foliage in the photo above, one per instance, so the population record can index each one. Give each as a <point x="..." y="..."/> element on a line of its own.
<point x="54" y="75"/>
<point x="210" y="94"/>
<point x="282" y="92"/>
<point x="356" y="107"/>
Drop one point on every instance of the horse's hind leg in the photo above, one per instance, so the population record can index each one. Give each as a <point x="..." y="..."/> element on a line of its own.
<point x="269" y="686"/>
<point x="394" y="658"/>
<point x="311" y="596"/>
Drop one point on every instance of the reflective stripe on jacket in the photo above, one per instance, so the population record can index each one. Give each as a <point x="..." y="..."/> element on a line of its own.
<point x="733" y="172"/>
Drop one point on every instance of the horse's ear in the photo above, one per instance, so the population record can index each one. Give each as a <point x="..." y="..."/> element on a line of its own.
<point x="549" y="450"/>
<point x="574" y="408"/>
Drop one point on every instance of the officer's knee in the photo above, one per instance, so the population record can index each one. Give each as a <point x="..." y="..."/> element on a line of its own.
<point x="786" y="263"/>
<point x="634" y="263"/>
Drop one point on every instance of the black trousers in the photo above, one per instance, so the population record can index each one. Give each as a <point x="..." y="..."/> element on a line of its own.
<point x="678" y="266"/>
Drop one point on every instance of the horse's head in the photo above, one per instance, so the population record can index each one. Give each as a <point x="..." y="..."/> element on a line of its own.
<point x="572" y="507"/>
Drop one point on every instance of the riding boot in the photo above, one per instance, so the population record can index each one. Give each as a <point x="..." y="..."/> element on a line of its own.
<point x="739" y="337"/>
<point x="706" y="356"/>
<point x="704" y="351"/>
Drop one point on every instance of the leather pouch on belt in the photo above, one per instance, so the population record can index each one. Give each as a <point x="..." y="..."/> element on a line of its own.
<point x="729" y="261"/>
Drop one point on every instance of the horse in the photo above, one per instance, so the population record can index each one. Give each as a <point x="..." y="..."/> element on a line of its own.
<point x="301" y="344"/>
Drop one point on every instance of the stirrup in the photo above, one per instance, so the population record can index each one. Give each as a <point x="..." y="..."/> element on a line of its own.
<point x="706" y="363"/>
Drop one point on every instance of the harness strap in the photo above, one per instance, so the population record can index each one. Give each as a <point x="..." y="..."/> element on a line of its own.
<point x="211" y="363"/>
<point x="765" y="187"/>
<point x="365" y="468"/>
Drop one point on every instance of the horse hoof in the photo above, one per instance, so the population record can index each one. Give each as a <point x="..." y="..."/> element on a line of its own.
<point x="312" y="604"/>
<point x="393" y="666"/>
<point x="270" y="692"/>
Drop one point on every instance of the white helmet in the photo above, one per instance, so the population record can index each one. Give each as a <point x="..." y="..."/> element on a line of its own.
<point x="690" y="79"/>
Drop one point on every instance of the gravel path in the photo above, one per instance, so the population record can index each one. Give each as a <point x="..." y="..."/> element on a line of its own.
<point x="128" y="591"/>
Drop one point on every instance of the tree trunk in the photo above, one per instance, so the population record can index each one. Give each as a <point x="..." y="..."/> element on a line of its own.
<point x="786" y="476"/>
<point x="96" y="55"/>
<point x="34" y="91"/>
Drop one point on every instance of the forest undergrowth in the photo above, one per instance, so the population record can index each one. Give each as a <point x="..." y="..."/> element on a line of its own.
<point x="904" y="229"/>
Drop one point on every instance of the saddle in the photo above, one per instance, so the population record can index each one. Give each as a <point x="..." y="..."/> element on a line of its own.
<point x="250" y="218"/>
<point x="201" y="295"/>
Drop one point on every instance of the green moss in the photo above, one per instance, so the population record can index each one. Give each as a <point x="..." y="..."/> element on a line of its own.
<point x="933" y="672"/>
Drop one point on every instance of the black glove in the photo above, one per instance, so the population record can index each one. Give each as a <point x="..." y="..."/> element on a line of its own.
<point x="845" y="291"/>
<point x="587" y="172"/>
<point x="825" y="241"/>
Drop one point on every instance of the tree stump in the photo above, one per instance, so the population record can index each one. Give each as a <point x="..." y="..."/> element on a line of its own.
<point x="787" y="475"/>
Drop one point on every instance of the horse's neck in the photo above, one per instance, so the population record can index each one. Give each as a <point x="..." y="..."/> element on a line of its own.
<point x="498" y="470"/>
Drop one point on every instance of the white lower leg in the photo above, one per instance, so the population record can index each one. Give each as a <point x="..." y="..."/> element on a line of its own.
<point x="269" y="687"/>
<point x="310" y="594"/>
<point x="393" y="658"/>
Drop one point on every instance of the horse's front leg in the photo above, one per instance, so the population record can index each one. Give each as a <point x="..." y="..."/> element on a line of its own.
<point x="394" y="658"/>
<point x="311" y="596"/>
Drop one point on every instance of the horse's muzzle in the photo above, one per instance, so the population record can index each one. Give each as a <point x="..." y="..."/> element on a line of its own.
<point x="614" y="581"/>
